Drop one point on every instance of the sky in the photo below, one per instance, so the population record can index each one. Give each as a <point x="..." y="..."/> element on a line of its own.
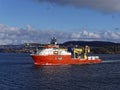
<point x="36" y="21"/>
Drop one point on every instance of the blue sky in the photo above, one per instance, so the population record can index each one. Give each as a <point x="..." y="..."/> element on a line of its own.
<point x="68" y="17"/>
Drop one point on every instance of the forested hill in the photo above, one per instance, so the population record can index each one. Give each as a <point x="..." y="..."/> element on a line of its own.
<point x="96" y="47"/>
<point x="90" y="43"/>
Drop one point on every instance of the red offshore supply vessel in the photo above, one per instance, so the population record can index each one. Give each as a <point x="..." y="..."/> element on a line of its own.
<point x="52" y="54"/>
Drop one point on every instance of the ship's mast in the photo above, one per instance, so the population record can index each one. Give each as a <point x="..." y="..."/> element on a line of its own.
<point x="53" y="41"/>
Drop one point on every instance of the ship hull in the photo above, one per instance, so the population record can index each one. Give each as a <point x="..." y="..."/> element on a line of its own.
<point x="61" y="60"/>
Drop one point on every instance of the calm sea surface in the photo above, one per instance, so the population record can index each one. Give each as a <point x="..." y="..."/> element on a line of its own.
<point x="17" y="72"/>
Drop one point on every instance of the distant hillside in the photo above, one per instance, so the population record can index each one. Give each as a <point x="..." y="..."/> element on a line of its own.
<point x="97" y="47"/>
<point x="13" y="48"/>
<point x="90" y="43"/>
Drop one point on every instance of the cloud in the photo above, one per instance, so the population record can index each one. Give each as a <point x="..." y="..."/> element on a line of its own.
<point x="17" y="35"/>
<point x="102" y="5"/>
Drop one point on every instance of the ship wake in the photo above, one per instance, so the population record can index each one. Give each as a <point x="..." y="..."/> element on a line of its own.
<point x="110" y="61"/>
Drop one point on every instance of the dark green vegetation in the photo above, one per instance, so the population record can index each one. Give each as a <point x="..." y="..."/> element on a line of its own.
<point x="97" y="47"/>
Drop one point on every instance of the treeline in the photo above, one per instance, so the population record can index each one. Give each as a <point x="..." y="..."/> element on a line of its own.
<point x="114" y="49"/>
<point x="97" y="47"/>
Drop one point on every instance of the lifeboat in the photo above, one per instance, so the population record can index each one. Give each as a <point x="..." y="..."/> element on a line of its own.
<point x="54" y="55"/>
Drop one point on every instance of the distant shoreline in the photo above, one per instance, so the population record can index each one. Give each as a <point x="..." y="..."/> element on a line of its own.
<point x="97" y="47"/>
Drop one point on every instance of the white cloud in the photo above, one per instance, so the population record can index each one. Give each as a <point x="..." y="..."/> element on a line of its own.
<point x="102" y="5"/>
<point x="16" y="35"/>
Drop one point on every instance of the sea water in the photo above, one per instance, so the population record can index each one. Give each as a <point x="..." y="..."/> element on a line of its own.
<point x="17" y="72"/>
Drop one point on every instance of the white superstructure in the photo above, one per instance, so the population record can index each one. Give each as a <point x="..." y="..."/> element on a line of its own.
<point x="52" y="51"/>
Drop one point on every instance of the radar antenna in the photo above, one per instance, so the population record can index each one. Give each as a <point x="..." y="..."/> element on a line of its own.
<point x="53" y="41"/>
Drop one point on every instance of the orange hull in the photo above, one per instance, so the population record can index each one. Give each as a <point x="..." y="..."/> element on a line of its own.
<point x="61" y="60"/>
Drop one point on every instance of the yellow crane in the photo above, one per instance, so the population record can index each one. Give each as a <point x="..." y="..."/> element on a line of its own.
<point x="83" y="51"/>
